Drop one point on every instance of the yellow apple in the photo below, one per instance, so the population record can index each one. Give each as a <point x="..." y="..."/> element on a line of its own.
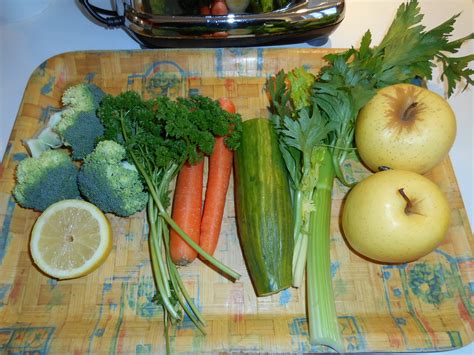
<point x="395" y="216"/>
<point x="405" y="127"/>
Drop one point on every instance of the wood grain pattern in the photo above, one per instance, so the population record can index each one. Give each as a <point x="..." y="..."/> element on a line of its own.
<point x="420" y="306"/>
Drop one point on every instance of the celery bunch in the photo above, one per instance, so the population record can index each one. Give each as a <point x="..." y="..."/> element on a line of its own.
<point x="314" y="117"/>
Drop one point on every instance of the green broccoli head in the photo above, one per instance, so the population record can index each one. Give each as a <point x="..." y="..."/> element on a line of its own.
<point x="42" y="181"/>
<point x="83" y="134"/>
<point x="68" y="117"/>
<point x="109" y="183"/>
<point x="83" y="97"/>
<point x="79" y="98"/>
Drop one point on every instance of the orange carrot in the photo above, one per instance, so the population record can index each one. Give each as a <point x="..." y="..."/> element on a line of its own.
<point x="227" y="105"/>
<point x="219" y="7"/>
<point x="220" y="167"/>
<point x="187" y="206"/>
<point x="205" y="10"/>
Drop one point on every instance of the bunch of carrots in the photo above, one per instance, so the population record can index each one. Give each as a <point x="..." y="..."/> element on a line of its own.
<point x="201" y="221"/>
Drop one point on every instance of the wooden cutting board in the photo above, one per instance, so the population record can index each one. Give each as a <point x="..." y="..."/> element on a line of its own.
<point x="426" y="305"/>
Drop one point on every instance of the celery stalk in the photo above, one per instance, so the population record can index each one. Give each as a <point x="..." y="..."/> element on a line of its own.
<point x="301" y="240"/>
<point x="322" y="317"/>
<point x="312" y="112"/>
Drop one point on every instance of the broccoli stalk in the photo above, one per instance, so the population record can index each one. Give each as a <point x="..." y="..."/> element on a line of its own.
<point x="111" y="184"/>
<point x="42" y="181"/>
<point x="160" y="135"/>
<point x="45" y="139"/>
<point x="79" y="127"/>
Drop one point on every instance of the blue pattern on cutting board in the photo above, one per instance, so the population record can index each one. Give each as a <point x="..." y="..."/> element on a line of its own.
<point x="5" y="231"/>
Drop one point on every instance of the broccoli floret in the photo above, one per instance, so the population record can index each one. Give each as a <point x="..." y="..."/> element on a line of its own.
<point x="108" y="182"/>
<point x="83" y="134"/>
<point x="45" y="180"/>
<point x="79" y="126"/>
<point x="79" y="98"/>
<point x="83" y="97"/>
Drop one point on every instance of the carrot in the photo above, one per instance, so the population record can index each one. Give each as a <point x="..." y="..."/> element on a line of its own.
<point x="187" y="207"/>
<point x="220" y="34"/>
<point x="219" y="7"/>
<point x="220" y="167"/>
<point x="205" y="10"/>
<point x="227" y="105"/>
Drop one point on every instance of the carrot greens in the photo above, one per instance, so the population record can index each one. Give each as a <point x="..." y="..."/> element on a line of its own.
<point x="314" y="117"/>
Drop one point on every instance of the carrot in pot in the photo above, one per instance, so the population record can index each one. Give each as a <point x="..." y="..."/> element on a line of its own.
<point x="187" y="207"/>
<point x="220" y="167"/>
<point x="205" y="10"/>
<point x="219" y="8"/>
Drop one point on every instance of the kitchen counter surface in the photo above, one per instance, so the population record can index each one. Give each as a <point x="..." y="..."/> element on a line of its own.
<point x="61" y="26"/>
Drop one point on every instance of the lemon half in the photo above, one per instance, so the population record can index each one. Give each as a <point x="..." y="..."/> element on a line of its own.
<point x="70" y="239"/>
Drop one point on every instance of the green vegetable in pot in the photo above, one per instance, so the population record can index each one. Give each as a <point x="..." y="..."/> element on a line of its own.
<point x="157" y="7"/>
<point x="261" y="6"/>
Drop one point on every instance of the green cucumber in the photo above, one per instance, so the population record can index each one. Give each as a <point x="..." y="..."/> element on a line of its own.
<point x="263" y="208"/>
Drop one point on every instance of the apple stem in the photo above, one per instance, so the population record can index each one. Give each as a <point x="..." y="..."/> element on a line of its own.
<point x="408" y="114"/>
<point x="408" y="201"/>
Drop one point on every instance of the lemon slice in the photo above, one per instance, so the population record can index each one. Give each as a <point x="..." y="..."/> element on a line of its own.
<point x="71" y="238"/>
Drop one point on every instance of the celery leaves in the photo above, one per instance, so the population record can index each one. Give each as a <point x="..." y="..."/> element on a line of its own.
<point x="323" y="125"/>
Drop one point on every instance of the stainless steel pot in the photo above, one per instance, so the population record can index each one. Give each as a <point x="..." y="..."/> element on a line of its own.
<point x="171" y="26"/>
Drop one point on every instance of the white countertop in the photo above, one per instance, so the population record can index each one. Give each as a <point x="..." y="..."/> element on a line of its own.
<point x="61" y="27"/>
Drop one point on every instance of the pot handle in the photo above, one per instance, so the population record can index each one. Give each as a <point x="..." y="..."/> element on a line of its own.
<point x="110" y="18"/>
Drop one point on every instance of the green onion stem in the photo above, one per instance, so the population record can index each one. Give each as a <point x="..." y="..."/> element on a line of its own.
<point x="191" y="310"/>
<point x="180" y="284"/>
<point x="183" y="297"/>
<point x="322" y="317"/>
<point x="167" y="337"/>
<point x="155" y="255"/>
<point x="155" y="233"/>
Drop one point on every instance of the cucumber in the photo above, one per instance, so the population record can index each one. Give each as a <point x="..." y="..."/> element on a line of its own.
<point x="263" y="208"/>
